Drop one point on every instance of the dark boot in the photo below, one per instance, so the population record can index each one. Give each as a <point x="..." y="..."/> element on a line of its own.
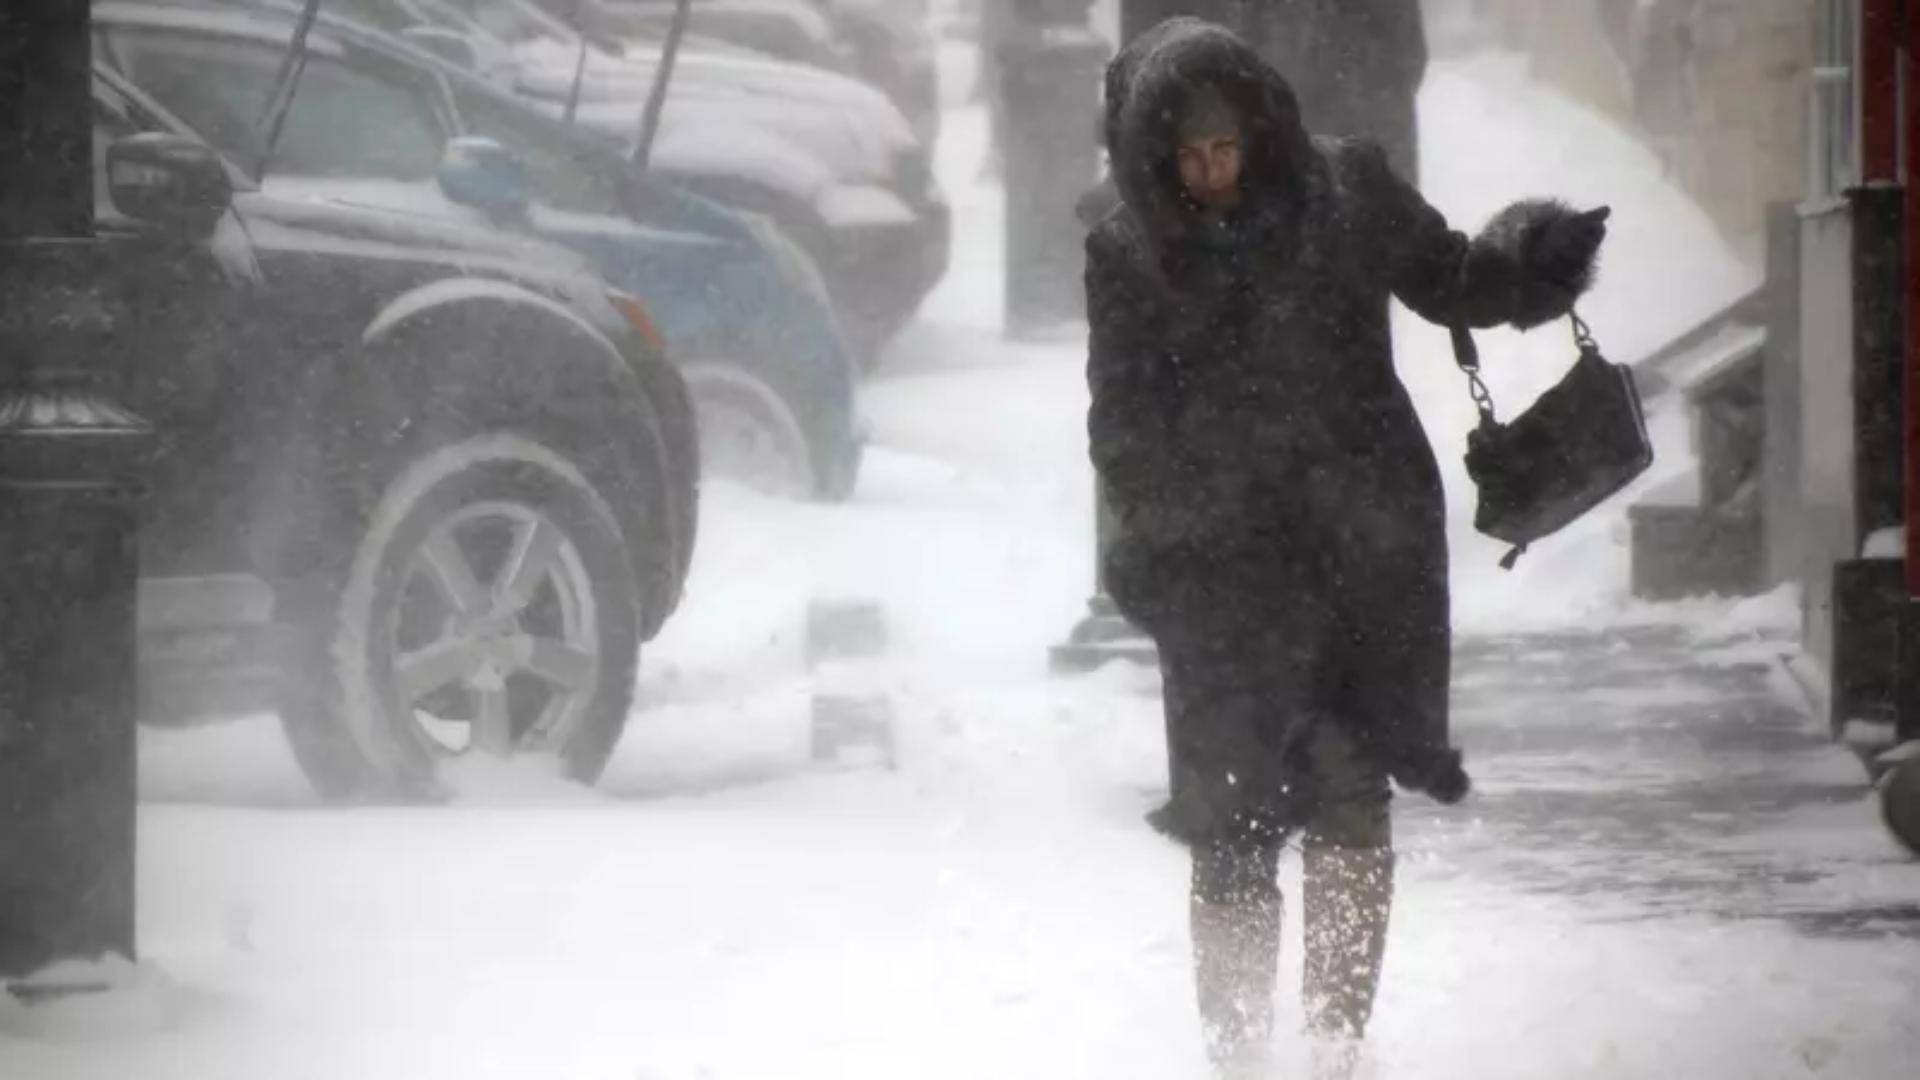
<point x="1346" y="897"/>
<point x="1236" y="950"/>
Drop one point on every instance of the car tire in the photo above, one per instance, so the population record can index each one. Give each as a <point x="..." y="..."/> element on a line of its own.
<point x="1899" y="789"/>
<point x="485" y="603"/>
<point x="749" y="434"/>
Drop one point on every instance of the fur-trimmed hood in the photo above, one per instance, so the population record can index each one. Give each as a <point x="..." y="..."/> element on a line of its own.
<point x="1147" y="87"/>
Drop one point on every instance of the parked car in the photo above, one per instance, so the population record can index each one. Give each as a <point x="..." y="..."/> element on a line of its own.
<point x="828" y="158"/>
<point x="887" y="45"/>
<point x="892" y="45"/>
<point x="745" y="314"/>
<point x="425" y="488"/>
<point x="789" y="29"/>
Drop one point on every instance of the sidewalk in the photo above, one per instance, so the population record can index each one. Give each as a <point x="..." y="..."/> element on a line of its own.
<point x="1652" y="771"/>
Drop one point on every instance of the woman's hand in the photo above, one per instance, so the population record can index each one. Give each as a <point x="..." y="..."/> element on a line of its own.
<point x="1564" y="251"/>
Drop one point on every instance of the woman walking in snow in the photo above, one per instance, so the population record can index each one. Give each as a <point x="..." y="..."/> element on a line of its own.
<point x="1279" y="519"/>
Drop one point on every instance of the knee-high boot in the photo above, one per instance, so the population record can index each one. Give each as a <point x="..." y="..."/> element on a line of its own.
<point x="1236" y="951"/>
<point x="1346" y="898"/>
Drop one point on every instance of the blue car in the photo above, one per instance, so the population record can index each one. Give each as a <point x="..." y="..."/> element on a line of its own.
<point x="743" y="312"/>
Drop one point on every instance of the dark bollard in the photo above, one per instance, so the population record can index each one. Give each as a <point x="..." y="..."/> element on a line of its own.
<point x="70" y="463"/>
<point x="1103" y="635"/>
<point x="70" y="467"/>
<point x="1050" y="69"/>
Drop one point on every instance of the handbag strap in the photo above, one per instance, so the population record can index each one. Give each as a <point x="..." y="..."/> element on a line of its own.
<point x="1467" y="354"/>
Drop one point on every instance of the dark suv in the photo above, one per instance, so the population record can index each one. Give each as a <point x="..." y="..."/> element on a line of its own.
<point x="426" y="488"/>
<point x="744" y="312"/>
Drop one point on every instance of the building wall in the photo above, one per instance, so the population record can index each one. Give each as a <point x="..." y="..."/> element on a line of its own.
<point x="1570" y="46"/>
<point x="1717" y="88"/>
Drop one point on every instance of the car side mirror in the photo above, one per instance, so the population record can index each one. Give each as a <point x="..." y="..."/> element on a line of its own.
<point x="477" y="171"/>
<point x="168" y="180"/>
<point x="450" y="45"/>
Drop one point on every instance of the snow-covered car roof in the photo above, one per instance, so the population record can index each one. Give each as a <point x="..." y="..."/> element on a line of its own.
<point x="717" y="120"/>
<point x="852" y="130"/>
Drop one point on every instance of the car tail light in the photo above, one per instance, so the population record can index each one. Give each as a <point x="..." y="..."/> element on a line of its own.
<point x="632" y="310"/>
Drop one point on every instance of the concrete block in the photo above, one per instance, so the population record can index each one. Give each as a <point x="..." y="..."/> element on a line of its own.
<point x="851" y="707"/>
<point x="845" y="628"/>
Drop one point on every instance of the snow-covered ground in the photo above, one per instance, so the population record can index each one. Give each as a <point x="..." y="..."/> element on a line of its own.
<point x="1615" y="904"/>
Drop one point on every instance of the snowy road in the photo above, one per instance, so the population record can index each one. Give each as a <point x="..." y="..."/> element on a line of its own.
<point x="1666" y="871"/>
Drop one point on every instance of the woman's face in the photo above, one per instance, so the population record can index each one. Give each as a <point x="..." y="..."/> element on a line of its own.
<point x="1210" y="169"/>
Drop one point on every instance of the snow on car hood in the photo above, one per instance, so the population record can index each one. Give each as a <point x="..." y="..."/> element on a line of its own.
<point x="700" y="65"/>
<point x="706" y="138"/>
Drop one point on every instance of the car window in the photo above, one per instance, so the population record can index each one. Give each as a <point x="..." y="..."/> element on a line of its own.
<point x="216" y="87"/>
<point x="564" y="175"/>
<point x="344" y="121"/>
<point x="351" y="122"/>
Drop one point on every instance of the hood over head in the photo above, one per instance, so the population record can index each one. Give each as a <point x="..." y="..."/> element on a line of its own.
<point x="1153" y="85"/>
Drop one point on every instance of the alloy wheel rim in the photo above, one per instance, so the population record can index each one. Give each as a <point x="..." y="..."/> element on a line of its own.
<point x="492" y="639"/>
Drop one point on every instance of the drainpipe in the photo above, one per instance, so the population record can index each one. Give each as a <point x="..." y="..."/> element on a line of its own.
<point x="1904" y="91"/>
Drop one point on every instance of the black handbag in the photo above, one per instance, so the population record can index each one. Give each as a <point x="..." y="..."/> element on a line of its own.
<point x="1579" y="444"/>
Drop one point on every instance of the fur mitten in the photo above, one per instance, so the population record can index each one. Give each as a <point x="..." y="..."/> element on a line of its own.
<point x="1553" y="251"/>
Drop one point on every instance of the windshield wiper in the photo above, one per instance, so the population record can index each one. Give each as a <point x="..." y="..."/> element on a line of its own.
<point x="579" y="66"/>
<point x="285" y="85"/>
<point x="657" y="99"/>
<point x="662" y="76"/>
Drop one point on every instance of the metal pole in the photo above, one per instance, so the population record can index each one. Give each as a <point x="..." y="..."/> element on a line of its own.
<point x="46" y="120"/>
<point x="69" y="464"/>
<point x="1102" y="636"/>
<point x="1049" y="65"/>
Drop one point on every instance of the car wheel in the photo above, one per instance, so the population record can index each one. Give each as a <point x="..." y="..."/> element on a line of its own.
<point x="749" y="434"/>
<point x="1900" y="802"/>
<point x="488" y="608"/>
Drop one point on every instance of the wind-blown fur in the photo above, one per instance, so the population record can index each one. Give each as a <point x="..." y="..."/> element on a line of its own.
<point x="1158" y="71"/>
<point x="1516" y="231"/>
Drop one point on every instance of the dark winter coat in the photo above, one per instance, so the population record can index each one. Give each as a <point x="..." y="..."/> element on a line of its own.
<point x="1269" y="480"/>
